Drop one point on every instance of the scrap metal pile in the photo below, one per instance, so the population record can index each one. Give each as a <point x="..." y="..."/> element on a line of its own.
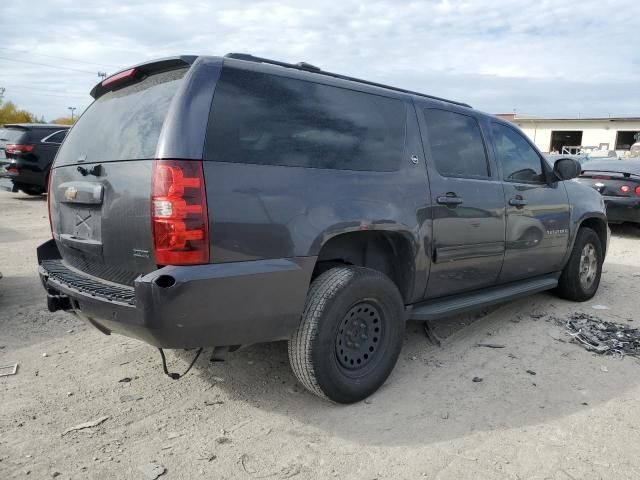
<point x="606" y="338"/>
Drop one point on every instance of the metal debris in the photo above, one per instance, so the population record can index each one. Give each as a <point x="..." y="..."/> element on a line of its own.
<point x="476" y="379"/>
<point x="10" y="369"/>
<point x="605" y="338"/>
<point x="84" y="425"/>
<point x="490" y="345"/>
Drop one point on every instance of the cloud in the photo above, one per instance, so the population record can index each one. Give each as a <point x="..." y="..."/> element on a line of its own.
<point x="545" y="57"/>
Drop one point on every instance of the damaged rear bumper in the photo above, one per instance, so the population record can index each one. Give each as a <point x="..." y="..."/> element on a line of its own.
<point x="186" y="306"/>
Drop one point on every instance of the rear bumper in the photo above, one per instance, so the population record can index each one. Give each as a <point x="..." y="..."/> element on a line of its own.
<point x="6" y="184"/>
<point x="29" y="174"/>
<point x="622" y="209"/>
<point x="190" y="306"/>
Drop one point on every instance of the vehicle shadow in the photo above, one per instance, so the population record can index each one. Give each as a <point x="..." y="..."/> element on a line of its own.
<point x="625" y="230"/>
<point x="31" y="198"/>
<point x="431" y="396"/>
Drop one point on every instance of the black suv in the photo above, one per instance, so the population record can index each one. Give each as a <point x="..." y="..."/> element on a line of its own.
<point x="27" y="151"/>
<point x="208" y="201"/>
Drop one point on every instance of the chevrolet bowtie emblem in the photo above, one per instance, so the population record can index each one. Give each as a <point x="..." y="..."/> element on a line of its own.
<point x="70" y="193"/>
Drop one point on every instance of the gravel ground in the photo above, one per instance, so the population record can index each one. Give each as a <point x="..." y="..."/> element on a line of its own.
<point x="545" y="408"/>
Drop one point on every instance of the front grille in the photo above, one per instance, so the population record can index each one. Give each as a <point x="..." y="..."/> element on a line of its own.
<point x="60" y="273"/>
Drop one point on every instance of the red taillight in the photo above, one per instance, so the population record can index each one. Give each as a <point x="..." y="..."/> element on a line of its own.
<point x="179" y="213"/>
<point x="49" y="193"/>
<point x="12" y="169"/>
<point x="625" y="188"/>
<point x="119" y="78"/>
<point x="638" y="190"/>
<point x="18" y="148"/>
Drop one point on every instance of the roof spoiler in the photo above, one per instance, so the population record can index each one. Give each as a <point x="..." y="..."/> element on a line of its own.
<point x="138" y="72"/>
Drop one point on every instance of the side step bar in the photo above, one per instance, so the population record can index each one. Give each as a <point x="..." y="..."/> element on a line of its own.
<point x="461" y="303"/>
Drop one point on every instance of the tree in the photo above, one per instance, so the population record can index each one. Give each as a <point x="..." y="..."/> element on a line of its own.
<point x="64" y="120"/>
<point x="9" y="113"/>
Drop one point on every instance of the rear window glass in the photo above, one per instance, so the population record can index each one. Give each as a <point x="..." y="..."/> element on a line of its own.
<point x="270" y="120"/>
<point x="124" y="124"/>
<point x="10" y="135"/>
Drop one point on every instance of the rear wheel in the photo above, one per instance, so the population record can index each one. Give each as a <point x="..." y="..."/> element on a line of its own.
<point x="350" y="334"/>
<point x="32" y="191"/>
<point x="581" y="276"/>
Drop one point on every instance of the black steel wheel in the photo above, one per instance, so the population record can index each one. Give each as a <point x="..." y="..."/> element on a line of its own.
<point x="350" y="334"/>
<point x="361" y="334"/>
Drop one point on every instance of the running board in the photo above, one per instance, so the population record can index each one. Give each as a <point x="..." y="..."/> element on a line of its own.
<point x="461" y="303"/>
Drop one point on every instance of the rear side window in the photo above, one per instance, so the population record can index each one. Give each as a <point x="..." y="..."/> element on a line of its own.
<point x="56" y="137"/>
<point x="264" y="119"/>
<point x="456" y="144"/>
<point x="124" y="124"/>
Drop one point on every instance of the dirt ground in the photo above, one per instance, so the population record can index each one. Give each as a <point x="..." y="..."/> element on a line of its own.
<point x="578" y="416"/>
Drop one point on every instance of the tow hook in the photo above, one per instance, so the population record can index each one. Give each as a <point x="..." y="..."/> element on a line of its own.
<point x="58" y="302"/>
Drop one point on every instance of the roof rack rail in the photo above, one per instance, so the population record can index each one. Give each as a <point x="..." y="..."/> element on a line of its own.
<point x="312" y="68"/>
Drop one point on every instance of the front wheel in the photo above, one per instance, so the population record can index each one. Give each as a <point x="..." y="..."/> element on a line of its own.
<point x="350" y="334"/>
<point x="581" y="276"/>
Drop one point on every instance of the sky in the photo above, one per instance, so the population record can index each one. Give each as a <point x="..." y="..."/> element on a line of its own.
<point x="546" y="58"/>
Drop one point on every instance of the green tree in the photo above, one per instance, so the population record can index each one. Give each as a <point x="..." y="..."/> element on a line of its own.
<point x="65" y="121"/>
<point x="9" y="113"/>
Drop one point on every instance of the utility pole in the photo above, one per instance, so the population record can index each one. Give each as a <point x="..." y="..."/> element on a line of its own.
<point x="102" y="75"/>
<point x="2" y="90"/>
<point x="73" y="109"/>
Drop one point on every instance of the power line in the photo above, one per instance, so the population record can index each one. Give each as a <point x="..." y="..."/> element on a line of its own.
<point x="36" y="88"/>
<point x="38" y="94"/>
<point x="61" y="58"/>
<point x="48" y="65"/>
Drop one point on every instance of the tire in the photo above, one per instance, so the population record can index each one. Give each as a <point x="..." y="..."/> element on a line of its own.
<point x="350" y="334"/>
<point x="32" y="191"/>
<point x="570" y="285"/>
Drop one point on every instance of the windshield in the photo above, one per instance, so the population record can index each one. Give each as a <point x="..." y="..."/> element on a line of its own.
<point x="124" y="124"/>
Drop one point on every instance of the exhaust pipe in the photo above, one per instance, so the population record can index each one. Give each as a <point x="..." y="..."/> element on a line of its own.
<point x="58" y="302"/>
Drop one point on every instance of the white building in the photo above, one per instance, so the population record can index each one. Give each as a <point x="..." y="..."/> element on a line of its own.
<point x="554" y="133"/>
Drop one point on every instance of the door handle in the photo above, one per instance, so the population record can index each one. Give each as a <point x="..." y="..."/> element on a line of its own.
<point x="518" y="201"/>
<point x="450" y="199"/>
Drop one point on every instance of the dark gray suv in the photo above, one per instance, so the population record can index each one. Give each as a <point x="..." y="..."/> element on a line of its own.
<point x="224" y="201"/>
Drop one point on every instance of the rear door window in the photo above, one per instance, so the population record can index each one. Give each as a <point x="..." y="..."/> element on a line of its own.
<point x="265" y="119"/>
<point x="456" y="144"/>
<point x="124" y="124"/>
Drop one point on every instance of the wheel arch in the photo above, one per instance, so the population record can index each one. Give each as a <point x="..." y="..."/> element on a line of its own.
<point x="596" y="222"/>
<point x="599" y="225"/>
<point x="389" y="252"/>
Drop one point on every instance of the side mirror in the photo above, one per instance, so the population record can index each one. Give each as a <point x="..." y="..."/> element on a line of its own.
<point x="566" y="168"/>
